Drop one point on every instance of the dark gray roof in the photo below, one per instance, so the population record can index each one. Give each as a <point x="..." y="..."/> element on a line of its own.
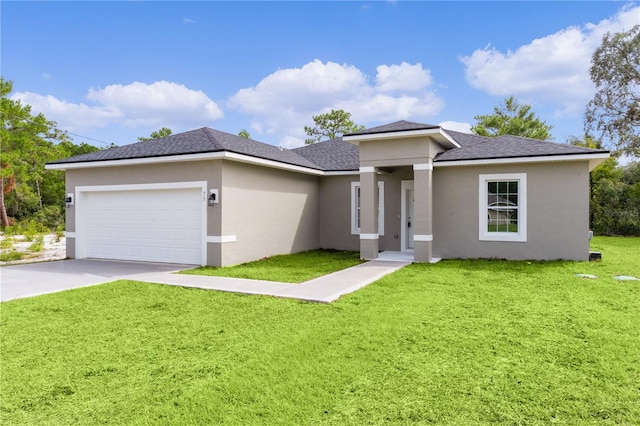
<point x="398" y="126"/>
<point x="332" y="155"/>
<point x="204" y="140"/>
<point x="482" y="148"/>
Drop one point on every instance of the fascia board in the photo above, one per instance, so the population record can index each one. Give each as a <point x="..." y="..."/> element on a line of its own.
<point x="438" y="134"/>
<point x="185" y="158"/>
<point x="592" y="158"/>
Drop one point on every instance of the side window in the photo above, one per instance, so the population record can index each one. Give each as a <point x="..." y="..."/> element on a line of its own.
<point x="356" y="206"/>
<point x="503" y="207"/>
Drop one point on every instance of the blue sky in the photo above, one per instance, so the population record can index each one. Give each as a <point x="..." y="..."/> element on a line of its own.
<point x="113" y="71"/>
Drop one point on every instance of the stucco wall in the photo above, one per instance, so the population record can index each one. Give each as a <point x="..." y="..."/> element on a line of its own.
<point x="209" y="171"/>
<point x="398" y="152"/>
<point x="269" y="211"/>
<point x="558" y="209"/>
<point x="335" y="211"/>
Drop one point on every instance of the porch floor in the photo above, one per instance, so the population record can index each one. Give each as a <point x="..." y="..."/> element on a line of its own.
<point x="400" y="256"/>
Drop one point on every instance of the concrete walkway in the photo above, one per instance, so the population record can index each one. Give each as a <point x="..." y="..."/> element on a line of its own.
<point x="22" y="281"/>
<point x="325" y="289"/>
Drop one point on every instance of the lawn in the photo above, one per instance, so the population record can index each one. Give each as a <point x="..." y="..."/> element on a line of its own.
<point x="458" y="342"/>
<point x="292" y="268"/>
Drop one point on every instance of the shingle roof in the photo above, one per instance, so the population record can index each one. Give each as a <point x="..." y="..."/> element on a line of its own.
<point x="398" y="126"/>
<point x="481" y="148"/>
<point x="332" y="155"/>
<point x="204" y="140"/>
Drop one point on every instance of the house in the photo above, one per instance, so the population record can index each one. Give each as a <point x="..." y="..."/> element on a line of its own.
<point x="212" y="198"/>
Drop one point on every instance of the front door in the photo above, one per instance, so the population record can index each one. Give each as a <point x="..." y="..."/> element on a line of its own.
<point x="407" y="215"/>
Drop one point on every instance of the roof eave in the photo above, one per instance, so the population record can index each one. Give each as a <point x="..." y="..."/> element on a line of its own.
<point x="438" y="134"/>
<point x="594" y="160"/>
<point x="218" y="155"/>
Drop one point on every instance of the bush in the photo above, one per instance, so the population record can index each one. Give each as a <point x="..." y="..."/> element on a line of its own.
<point x="7" y="243"/>
<point x="8" y="256"/>
<point x="37" y="245"/>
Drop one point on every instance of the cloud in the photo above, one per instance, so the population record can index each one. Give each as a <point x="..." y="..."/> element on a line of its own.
<point x="136" y="105"/>
<point x="552" y="69"/>
<point x="45" y="76"/>
<point x="188" y="21"/>
<point x="456" y="126"/>
<point x="284" y="101"/>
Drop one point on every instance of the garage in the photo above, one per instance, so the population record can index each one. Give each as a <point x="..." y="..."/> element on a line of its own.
<point x="142" y="224"/>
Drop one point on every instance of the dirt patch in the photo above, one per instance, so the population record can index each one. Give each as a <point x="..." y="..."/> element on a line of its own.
<point x="53" y="248"/>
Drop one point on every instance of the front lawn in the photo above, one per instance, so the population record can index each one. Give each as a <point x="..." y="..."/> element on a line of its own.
<point x="291" y="268"/>
<point x="458" y="342"/>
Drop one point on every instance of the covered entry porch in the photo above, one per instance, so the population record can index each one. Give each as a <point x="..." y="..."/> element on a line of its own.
<point x="410" y="147"/>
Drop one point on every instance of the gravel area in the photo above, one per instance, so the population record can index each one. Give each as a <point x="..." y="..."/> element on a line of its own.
<point x="53" y="249"/>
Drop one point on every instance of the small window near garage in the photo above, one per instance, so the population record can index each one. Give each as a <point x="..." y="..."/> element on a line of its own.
<point x="356" y="207"/>
<point x="503" y="207"/>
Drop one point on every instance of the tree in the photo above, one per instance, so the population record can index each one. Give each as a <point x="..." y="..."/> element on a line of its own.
<point x="614" y="111"/>
<point x="331" y="125"/>
<point x="512" y="118"/>
<point x="26" y="144"/>
<point x="244" y="133"/>
<point x="161" y="133"/>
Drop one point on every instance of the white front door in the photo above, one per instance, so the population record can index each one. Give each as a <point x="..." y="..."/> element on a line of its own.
<point x="407" y="225"/>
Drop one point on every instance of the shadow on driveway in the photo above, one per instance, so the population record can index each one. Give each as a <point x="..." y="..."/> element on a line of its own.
<point x="19" y="281"/>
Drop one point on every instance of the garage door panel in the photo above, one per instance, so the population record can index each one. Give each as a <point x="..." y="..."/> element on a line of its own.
<point x="145" y="225"/>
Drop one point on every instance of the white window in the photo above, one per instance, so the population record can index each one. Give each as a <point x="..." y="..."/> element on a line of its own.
<point x="503" y="207"/>
<point x="355" y="208"/>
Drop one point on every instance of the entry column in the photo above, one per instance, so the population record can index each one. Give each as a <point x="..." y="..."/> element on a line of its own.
<point x="368" y="213"/>
<point x="423" y="212"/>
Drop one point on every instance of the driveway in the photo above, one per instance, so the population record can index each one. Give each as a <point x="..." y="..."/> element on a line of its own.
<point x="19" y="281"/>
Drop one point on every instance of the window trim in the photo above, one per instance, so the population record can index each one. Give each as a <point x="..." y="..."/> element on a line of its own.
<point x="354" y="211"/>
<point x="483" y="234"/>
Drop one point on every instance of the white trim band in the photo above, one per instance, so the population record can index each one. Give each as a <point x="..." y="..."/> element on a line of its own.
<point x="517" y="160"/>
<point x="423" y="167"/>
<point x="367" y="169"/>
<point x="423" y="238"/>
<point x="69" y="234"/>
<point x="369" y="236"/>
<point x="218" y="239"/>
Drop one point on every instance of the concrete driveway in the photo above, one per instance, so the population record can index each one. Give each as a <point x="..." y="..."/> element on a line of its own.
<point x="19" y="281"/>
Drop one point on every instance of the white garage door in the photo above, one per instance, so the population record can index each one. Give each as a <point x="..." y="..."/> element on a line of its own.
<point x="163" y="225"/>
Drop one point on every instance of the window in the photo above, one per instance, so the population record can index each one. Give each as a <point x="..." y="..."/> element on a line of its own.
<point x="355" y="208"/>
<point x="503" y="207"/>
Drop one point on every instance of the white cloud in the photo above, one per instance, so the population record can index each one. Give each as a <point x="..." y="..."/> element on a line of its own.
<point x="404" y="77"/>
<point x="552" y="69"/>
<point x="188" y="21"/>
<point x="456" y="126"/>
<point x="136" y="105"/>
<point x="284" y="101"/>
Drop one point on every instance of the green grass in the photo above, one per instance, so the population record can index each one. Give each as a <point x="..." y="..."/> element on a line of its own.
<point x="461" y="342"/>
<point x="292" y="268"/>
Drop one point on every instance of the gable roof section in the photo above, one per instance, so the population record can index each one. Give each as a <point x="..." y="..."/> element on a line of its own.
<point x="474" y="147"/>
<point x="398" y="126"/>
<point x="203" y="140"/>
<point x="332" y="155"/>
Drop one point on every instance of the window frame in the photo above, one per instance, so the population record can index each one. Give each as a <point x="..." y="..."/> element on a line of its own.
<point x="484" y="206"/>
<point x="355" y="229"/>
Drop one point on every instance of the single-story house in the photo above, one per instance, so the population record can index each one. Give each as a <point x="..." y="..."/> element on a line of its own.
<point x="212" y="198"/>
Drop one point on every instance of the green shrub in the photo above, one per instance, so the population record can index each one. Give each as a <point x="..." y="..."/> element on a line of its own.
<point x="59" y="233"/>
<point x="7" y="243"/>
<point x="8" y="256"/>
<point x="32" y="229"/>
<point x="37" y="245"/>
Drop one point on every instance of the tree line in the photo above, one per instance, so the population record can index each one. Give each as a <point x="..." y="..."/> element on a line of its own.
<point x="612" y="119"/>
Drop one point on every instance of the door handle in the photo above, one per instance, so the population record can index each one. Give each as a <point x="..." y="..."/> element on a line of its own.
<point x="409" y="225"/>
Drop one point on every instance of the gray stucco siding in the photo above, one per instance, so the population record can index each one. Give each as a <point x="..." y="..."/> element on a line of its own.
<point x="208" y="171"/>
<point x="557" y="212"/>
<point x="268" y="211"/>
